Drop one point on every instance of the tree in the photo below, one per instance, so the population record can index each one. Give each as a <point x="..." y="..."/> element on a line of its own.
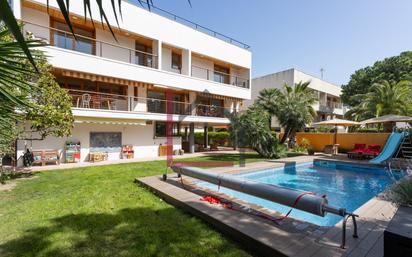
<point x="251" y="130"/>
<point x="392" y="69"/>
<point x="383" y="98"/>
<point x="35" y="99"/>
<point x="268" y="99"/>
<point x="293" y="106"/>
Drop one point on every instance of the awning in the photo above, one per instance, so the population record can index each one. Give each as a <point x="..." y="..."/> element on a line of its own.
<point x="100" y="78"/>
<point x="111" y="122"/>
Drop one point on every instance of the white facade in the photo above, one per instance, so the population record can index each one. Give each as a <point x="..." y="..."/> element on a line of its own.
<point x="209" y="76"/>
<point x="329" y="104"/>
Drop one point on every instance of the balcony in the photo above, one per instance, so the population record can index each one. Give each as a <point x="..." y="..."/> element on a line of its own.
<point x="102" y="101"/>
<point x="88" y="45"/>
<point x="219" y="77"/>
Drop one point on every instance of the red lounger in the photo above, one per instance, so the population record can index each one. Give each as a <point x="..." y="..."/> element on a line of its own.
<point x="373" y="150"/>
<point x="357" y="151"/>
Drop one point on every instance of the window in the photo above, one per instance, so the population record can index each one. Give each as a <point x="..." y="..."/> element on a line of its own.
<point x="209" y="107"/>
<point x="221" y="74"/>
<point x="160" y="129"/>
<point x="176" y="61"/>
<point x="143" y="55"/>
<point x="156" y="102"/>
<point x="105" y="141"/>
<point x="63" y="38"/>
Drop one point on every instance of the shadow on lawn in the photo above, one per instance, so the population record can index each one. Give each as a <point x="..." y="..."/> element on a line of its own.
<point x="129" y="232"/>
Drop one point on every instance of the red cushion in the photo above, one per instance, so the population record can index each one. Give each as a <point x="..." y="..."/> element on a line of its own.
<point x="373" y="149"/>
<point x="359" y="148"/>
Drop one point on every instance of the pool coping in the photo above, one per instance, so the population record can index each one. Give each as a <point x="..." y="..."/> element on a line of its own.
<point x="289" y="238"/>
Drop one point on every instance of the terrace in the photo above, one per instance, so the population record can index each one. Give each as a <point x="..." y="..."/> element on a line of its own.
<point x="114" y="102"/>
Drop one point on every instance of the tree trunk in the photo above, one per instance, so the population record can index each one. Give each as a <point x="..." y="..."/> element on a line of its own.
<point x="270" y="123"/>
<point x="285" y="136"/>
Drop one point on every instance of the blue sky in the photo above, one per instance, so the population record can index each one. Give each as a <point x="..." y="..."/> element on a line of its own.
<point x="338" y="35"/>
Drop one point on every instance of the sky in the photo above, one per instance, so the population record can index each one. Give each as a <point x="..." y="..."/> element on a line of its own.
<point x="339" y="36"/>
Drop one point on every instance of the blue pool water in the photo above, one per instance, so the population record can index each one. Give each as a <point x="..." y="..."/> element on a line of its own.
<point x="346" y="185"/>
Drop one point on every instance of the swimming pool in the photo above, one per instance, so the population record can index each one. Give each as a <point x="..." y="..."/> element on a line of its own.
<point x="346" y="185"/>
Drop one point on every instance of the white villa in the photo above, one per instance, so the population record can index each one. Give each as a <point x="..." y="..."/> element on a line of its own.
<point x="328" y="106"/>
<point x="119" y="87"/>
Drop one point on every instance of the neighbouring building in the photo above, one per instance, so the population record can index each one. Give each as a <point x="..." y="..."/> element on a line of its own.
<point x="328" y="106"/>
<point x="119" y="87"/>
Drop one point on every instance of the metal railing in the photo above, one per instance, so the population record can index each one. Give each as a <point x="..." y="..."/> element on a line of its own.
<point x="220" y="77"/>
<point x="188" y="23"/>
<point x="87" y="45"/>
<point x="104" y="101"/>
<point x="100" y="101"/>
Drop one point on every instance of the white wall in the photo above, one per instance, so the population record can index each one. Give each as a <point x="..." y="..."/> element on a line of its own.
<point x="148" y="24"/>
<point x="201" y="66"/>
<point x="141" y="137"/>
<point x="317" y="83"/>
<point x="39" y="18"/>
<point x="276" y="80"/>
<point x="112" y="51"/>
<point x="71" y="60"/>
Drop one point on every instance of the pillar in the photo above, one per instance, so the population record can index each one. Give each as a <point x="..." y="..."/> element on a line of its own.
<point x="157" y="50"/>
<point x="205" y="136"/>
<point x="192" y="138"/>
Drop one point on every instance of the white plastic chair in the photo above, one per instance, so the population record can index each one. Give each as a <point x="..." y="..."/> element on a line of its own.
<point x="86" y="100"/>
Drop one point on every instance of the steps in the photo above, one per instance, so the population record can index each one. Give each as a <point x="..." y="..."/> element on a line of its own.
<point x="405" y="150"/>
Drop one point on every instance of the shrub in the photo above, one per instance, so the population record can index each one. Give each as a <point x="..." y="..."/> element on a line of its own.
<point x="324" y="130"/>
<point x="401" y="193"/>
<point x="219" y="138"/>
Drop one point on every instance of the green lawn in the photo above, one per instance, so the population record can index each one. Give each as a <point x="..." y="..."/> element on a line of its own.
<point x="99" y="211"/>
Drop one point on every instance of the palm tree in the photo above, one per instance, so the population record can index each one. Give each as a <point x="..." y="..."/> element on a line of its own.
<point x="382" y="99"/>
<point x="295" y="108"/>
<point x="268" y="99"/>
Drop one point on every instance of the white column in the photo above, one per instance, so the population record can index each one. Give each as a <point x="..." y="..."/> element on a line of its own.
<point x="192" y="138"/>
<point x="186" y="62"/>
<point x="157" y="50"/>
<point x="192" y="101"/>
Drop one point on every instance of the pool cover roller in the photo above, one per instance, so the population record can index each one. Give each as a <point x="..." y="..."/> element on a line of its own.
<point x="311" y="203"/>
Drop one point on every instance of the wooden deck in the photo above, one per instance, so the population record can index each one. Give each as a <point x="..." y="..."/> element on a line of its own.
<point x="288" y="238"/>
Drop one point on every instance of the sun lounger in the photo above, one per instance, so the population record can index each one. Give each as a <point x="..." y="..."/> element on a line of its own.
<point x="357" y="151"/>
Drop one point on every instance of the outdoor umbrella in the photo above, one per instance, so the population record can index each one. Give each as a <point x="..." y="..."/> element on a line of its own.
<point x="336" y="123"/>
<point x="388" y="118"/>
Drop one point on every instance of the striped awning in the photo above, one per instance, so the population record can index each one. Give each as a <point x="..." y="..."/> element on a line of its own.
<point x="220" y="97"/>
<point x="100" y="78"/>
<point x="112" y="122"/>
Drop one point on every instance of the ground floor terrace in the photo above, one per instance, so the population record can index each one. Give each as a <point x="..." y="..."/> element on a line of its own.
<point x="100" y="211"/>
<point x="100" y="140"/>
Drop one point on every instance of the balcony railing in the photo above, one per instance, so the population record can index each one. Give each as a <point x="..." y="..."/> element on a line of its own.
<point x="87" y="45"/>
<point x="102" y="101"/>
<point x="220" y="77"/>
<point x="191" y="24"/>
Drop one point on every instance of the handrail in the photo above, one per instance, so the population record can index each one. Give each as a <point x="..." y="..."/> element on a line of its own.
<point x="88" y="38"/>
<point x="215" y="71"/>
<point x="192" y="24"/>
<point x="138" y="98"/>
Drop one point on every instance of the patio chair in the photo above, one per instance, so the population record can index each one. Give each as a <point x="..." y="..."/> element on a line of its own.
<point x="357" y="151"/>
<point x="372" y="151"/>
<point x="86" y="100"/>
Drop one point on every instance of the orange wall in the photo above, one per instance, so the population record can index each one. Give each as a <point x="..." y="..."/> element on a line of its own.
<point x="346" y="141"/>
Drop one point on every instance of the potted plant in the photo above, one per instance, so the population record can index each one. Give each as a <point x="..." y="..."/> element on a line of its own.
<point x="305" y="143"/>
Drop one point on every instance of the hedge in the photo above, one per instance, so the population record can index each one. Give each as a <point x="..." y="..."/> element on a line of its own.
<point x="220" y="138"/>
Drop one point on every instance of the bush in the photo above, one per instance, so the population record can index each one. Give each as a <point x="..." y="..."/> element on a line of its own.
<point x="324" y="130"/>
<point x="367" y="130"/>
<point x="402" y="192"/>
<point x="251" y="129"/>
<point x="219" y="138"/>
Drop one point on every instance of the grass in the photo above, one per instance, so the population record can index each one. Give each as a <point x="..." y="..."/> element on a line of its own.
<point x="99" y="211"/>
